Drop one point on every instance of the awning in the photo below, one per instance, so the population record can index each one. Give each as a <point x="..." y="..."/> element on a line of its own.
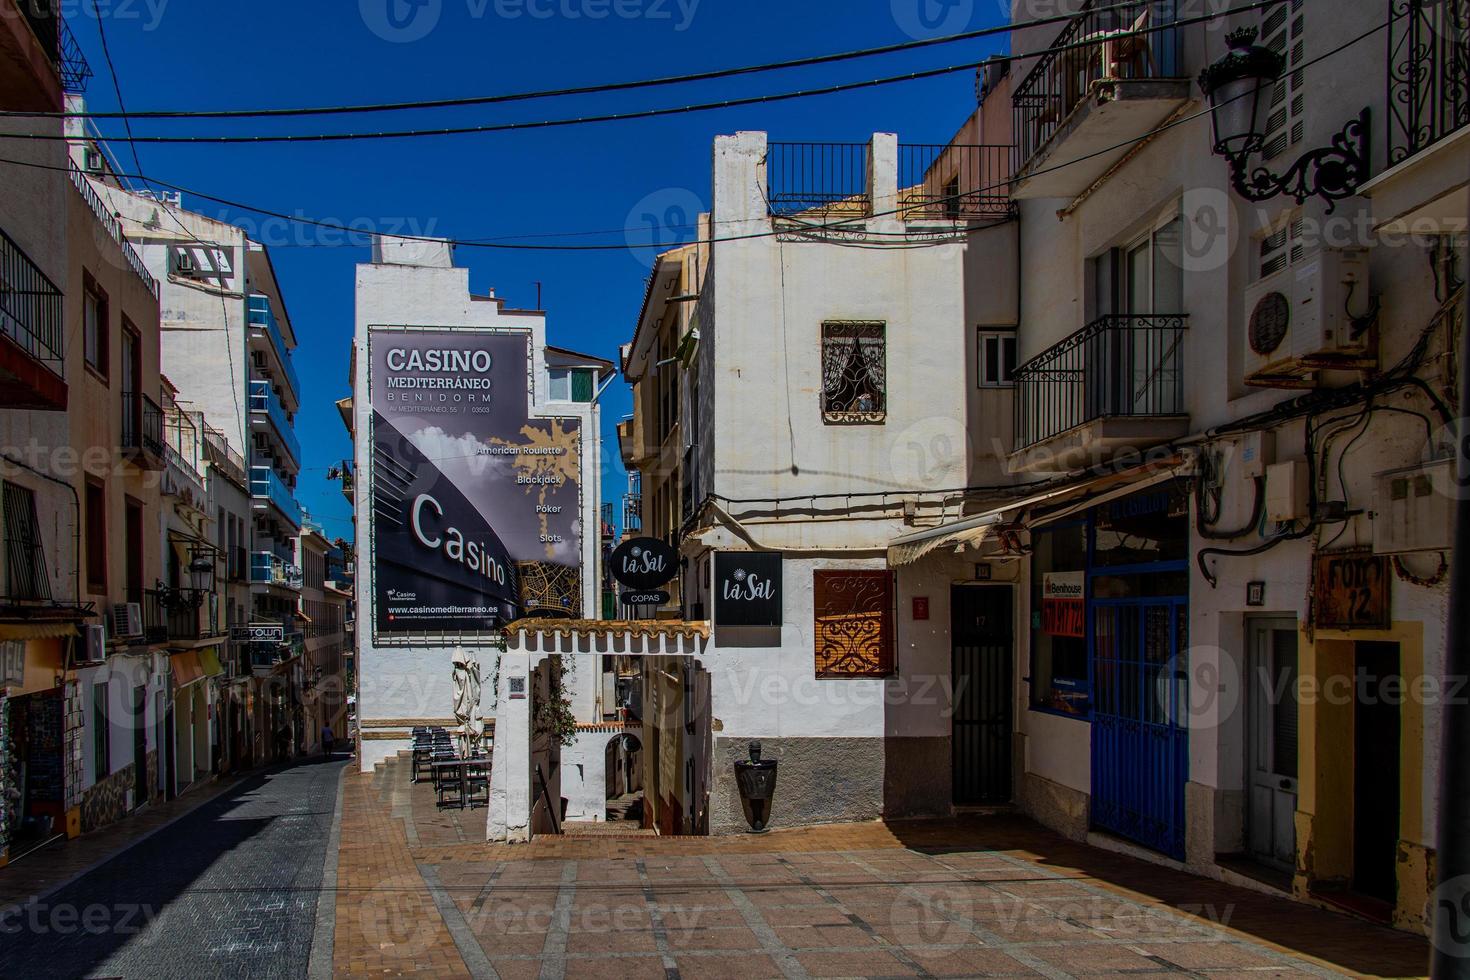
<point x="36" y="631"/>
<point x="972" y="532"/>
<point x="209" y="662"/>
<point x="186" y="668"/>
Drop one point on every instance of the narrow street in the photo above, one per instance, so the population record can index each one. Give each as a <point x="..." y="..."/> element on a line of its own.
<point x="231" y="889"/>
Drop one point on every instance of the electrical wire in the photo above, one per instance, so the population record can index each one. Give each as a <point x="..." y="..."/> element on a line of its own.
<point x="261" y="139"/>
<point x="494" y="244"/>
<point x="624" y="86"/>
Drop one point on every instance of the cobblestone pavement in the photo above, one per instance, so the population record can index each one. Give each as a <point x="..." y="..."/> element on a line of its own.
<point x="230" y="890"/>
<point x="976" y="897"/>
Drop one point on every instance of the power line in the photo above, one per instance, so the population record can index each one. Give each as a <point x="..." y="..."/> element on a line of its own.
<point x="847" y="225"/>
<point x="712" y="75"/>
<point x="659" y="112"/>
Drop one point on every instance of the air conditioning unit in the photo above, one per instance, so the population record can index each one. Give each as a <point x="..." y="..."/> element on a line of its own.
<point x="92" y="649"/>
<point x="1413" y="509"/>
<point x="127" y="620"/>
<point x="184" y="263"/>
<point x="1306" y="318"/>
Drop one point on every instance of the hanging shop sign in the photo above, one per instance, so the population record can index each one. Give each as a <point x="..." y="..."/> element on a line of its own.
<point x="748" y="588"/>
<point x="476" y="516"/>
<point x="643" y="563"/>
<point x="1063" y="610"/>
<point x="261" y="633"/>
<point x="1351" y="591"/>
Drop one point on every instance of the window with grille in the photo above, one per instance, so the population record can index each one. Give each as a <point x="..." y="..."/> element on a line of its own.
<point x="96" y="327"/>
<point x="25" y="557"/>
<point x="1283" y="30"/>
<point x="853" y="618"/>
<point x="101" y="733"/>
<point x="1282" y="248"/>
<point x="854" y="372"/>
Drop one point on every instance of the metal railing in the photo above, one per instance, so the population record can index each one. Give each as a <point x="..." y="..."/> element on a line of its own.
<point x="30" y="307"/>
<point x="142" y="424"/>
<point x="26" y="578"/>
<point x="828" y="178"/>
<point x="265" y="401"/>
<point x="167" y="615"/>
<point x="954" y="182"/>
<point x="632" y="513"/>
<point x="113" y="227"/>
<point x="266" y="484"/>
<point x="261" y="317"/>
<point x="1428" y="73"/>
<point x="268" y="568"/>
<point x="71" y="64"/>
<point x="1127" y="365"/>
<point x="220" y="455"/>
<point x="1098" y="44"/>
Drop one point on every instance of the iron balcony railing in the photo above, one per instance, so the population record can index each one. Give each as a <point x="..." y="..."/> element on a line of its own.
<point x="30" y="306"/>
<point x="142" y="424"/>
<point x="169" y="615"/>
<point x="266" y="484"/>
<point x="1101" y="42"/>
<point x="220" y="455"/>
<point x="1126" y="365"/>
<point x="262" y="318"/>
<point x="632" y="513"/>
<point x="71" y="64"/>
<point x="954" y="182"/>
<point x="264" y="401"/>
<point x="268" y="568"/>
<point x="112" y="226"/>
<point x="1428" y="73"/>
<point x="828" y="178"/>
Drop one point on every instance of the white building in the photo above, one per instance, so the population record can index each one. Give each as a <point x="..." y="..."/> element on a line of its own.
<point x="412" y="295"/>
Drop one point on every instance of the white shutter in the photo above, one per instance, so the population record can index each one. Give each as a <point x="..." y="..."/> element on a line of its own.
<point x="1283" y="30"/>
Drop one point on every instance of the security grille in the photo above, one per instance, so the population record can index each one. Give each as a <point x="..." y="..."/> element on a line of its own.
<point x="25" y="558"/>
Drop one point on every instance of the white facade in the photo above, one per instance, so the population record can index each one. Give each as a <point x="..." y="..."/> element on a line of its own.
<point x="415" y="284"/>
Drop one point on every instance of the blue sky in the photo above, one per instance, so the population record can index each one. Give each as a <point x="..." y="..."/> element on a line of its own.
<point x="549" y="184"/>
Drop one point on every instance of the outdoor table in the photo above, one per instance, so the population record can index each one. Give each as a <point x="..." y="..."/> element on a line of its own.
<point x="449" y="777"/>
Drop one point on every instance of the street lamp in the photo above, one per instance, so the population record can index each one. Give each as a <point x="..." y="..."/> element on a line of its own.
<point x="1239" y="88"/>
<point x="201" y="582"/>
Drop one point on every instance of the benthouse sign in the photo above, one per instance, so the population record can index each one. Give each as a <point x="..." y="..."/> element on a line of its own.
<point x="476" y="515"/>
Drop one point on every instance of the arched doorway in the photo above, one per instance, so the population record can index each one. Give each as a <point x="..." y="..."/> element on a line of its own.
<point x="623" y="770"/>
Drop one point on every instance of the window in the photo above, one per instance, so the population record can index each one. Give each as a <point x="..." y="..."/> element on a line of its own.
<point x="101" y="733"/>
<point x="997" y="358"/>
<point x="854" y="372"/>
<point x="95" y="505"/>
<point x="853" y="621"/>
<point x="1283" y="30"/>
<point x="561" y="385"/>
<point x="1282" y="248"/>
<point x="25" y="558"/>
<point x="96" y="326"/>
<point x="133" y="535"/>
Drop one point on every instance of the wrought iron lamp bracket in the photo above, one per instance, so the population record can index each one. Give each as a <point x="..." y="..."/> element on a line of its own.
<point x="1332" y="172"/>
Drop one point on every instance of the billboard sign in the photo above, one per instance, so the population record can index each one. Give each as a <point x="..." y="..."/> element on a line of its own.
<point x="476" y="506"/>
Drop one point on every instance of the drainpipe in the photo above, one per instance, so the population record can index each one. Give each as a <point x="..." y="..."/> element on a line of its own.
<point x="1450" y="904"/>
<point x="76" y="524"/>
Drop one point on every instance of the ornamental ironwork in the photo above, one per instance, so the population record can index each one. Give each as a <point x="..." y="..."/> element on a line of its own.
<point x="854" y="372"/>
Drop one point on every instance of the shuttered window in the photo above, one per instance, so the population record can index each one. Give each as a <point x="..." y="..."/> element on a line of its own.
<point x="25" y="558"/>
<point x="1281" y="248"/>
<point x="854" y="623"/>
<point x="1283" y="30"/>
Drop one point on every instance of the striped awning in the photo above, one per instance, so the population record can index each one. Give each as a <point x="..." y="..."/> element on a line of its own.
<point x="186" y="668"/>
<point x="36" y="631"/>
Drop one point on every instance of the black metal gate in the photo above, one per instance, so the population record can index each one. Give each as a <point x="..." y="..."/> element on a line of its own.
<point x="982" y="638"/>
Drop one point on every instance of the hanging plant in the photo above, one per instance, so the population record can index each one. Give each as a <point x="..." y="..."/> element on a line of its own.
<point x="554" y="718"/>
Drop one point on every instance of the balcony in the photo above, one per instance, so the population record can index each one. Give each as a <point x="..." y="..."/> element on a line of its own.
<point x="1081" y="107"/>
<point x="1426" y="184"/>
<point x="39" y="57"/>
<point x="219" y="455"/>
<point x="268" y="488"/>
<point x="142" y="431"/>
<point x="263" y="322"/>
<point x="955" y="183"/>
<point x="268" y="568"/>
<point x="1117" y="384"/>
<point x="166" y="619"/>
<point x="818" y="180"/>
<point x="265" y="407"/>
<point x="32" y="374"/>
<point x="113" y="227"/>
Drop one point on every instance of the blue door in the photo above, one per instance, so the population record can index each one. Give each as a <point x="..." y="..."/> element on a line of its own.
<point x="1140" y="740"/>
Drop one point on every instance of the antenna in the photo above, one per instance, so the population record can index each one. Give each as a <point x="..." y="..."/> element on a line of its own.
<point x="538" y="295"/>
